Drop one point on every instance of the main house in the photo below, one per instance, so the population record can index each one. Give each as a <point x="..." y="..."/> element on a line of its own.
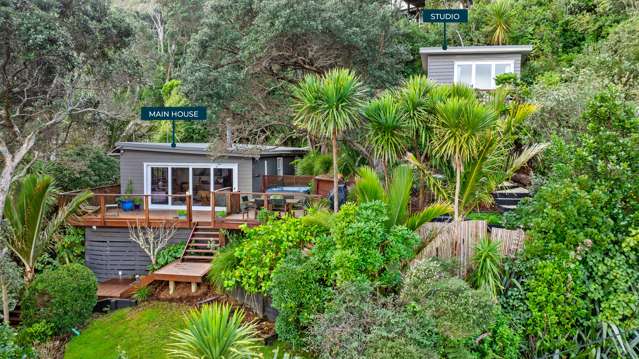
<point x="168" y="173"/>
<point x="475" y="66"/>
<point x="194" y="187"/>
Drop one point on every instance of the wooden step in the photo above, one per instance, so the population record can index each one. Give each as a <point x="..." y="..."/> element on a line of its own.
<point x="198" y="257"/>
<point x="192" y="244"/>
<point x="203" y="233"/>
<point x="199" y="251"/>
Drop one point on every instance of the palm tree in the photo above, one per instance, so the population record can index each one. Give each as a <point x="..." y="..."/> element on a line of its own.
<point x="500" y="16"/>
<point x="27" y="213"/>
<point x="327" y="106"/>
<point x="396" y="195"/>
<point x="460" y="127"/>
<point x="388" y="131"/>
<point x="213" y="332"/>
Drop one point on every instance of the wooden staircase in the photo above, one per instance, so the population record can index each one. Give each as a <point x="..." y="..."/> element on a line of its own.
<point x="202" y="244"/>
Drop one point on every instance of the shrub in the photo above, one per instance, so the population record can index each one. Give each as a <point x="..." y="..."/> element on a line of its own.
<point x="167" y="255"/>
<point x="9" y="348"/>
<point x="301" y="286"/>
<point x="313" y="164"/>
<point x="64" y="297"/>
<point x="458" y="311"/>
<point x="359" y="323"/>
<point x="365" y="249"/>
<point x="70" y="247"/>
<point x="264" y="215"/>
<point x="223" y="264"/>
<point x="82" y="167"/>
<point x="263" y="249"/>
<point x="502" y="341"/>
<point x="39" y="332"/>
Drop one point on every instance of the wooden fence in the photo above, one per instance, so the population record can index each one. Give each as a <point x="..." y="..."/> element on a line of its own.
<point x="458" y="240"/>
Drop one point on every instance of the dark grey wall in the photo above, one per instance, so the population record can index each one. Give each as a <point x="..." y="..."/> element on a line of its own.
<point x="441" y="68"/>
<point x="258" y="169"/>
<point x="109" y="250"/>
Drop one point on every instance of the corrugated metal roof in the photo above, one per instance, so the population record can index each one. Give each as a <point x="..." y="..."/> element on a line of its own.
<point x="237" y="150"/>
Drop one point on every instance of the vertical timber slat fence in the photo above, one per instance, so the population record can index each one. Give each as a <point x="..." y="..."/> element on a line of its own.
<point x="458" y="240"/>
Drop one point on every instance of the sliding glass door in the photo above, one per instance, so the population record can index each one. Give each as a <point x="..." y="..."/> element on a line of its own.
<point x="168" y="184"/>
<point x="201" y="184"/>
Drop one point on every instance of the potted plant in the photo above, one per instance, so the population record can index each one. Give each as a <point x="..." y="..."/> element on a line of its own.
<point x="181" y="213"/>
<point x="137" y="203"/>
<point x="126" y="201"/>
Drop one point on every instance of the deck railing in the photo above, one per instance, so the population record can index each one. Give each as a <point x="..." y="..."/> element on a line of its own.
<point x="104" y="209"/>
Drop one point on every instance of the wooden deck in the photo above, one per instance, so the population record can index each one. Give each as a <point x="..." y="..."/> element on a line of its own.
<point x="192" y="272"/>
<point x="189" y="272"/>
<point x="119" y="218"/>
<point x="113" y="288"/>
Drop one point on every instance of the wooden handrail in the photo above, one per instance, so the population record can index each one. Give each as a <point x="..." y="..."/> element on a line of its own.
<point x="188" y="241"/>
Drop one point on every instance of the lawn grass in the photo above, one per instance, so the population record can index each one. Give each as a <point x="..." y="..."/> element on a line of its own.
<point x="142" y="332"/>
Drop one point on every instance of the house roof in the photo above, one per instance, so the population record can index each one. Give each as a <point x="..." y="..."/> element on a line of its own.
<point x="237" y="150"/>
<point x="477" y="50"/>
<point x="522" y="50"/>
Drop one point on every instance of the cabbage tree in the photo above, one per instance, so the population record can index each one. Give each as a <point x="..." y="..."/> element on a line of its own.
<point x="328" y="105"/>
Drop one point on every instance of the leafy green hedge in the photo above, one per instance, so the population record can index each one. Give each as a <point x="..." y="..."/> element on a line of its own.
<point x="63" y="297"/>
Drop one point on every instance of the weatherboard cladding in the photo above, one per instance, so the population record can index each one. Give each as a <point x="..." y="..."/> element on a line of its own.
<point x="132" y="166"/>
<point x="110" y="251"/>
<point x="441" y="68"/>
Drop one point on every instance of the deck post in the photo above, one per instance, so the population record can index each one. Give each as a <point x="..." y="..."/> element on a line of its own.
<point x="193" y="287"/>
<point x="146" y="211"/>
<point x="265" y="203"/>
<point x="171" y="287"/>
<point x="102" y="210"/>
<point x="221" y="239"/>
<point x="212" y="209"/>
<point x="189" y="209"/>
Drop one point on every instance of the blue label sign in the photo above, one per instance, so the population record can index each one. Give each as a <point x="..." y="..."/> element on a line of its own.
<point x="445" y="15"/>
<point x="196" y="113"/>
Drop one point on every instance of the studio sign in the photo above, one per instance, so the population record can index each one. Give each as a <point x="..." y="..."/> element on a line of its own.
<point x="445" y="15"/>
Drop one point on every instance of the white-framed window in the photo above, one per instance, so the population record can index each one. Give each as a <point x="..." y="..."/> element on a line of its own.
<point x="481" y="74"/>
<point x="280" y="166"/>
<point x="161" y="180"/>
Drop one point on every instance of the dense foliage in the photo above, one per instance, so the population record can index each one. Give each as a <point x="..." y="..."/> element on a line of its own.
<point x="63" y="297"/>
<point x="82" y="167"/>
<point x="580" y="269"/>
<point x="263" y="249"/>
<point x="9" y="348"/>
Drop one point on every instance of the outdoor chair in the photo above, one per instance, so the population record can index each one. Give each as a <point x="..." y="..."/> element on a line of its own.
<point x="277" y="203"/>
<point x="246" y="205"/>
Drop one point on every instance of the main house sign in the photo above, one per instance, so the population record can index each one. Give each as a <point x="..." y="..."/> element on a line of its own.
<point x="193" y="113"/>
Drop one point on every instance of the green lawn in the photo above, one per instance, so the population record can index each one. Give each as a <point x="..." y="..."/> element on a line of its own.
<point x="141" y="331"/>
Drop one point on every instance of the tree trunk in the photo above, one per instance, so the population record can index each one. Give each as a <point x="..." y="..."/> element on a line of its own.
<point x="5" y="303"/>
<point x="335" y="181"/>
<point x="458" y="169"/>
<point x="29" y="273"/>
